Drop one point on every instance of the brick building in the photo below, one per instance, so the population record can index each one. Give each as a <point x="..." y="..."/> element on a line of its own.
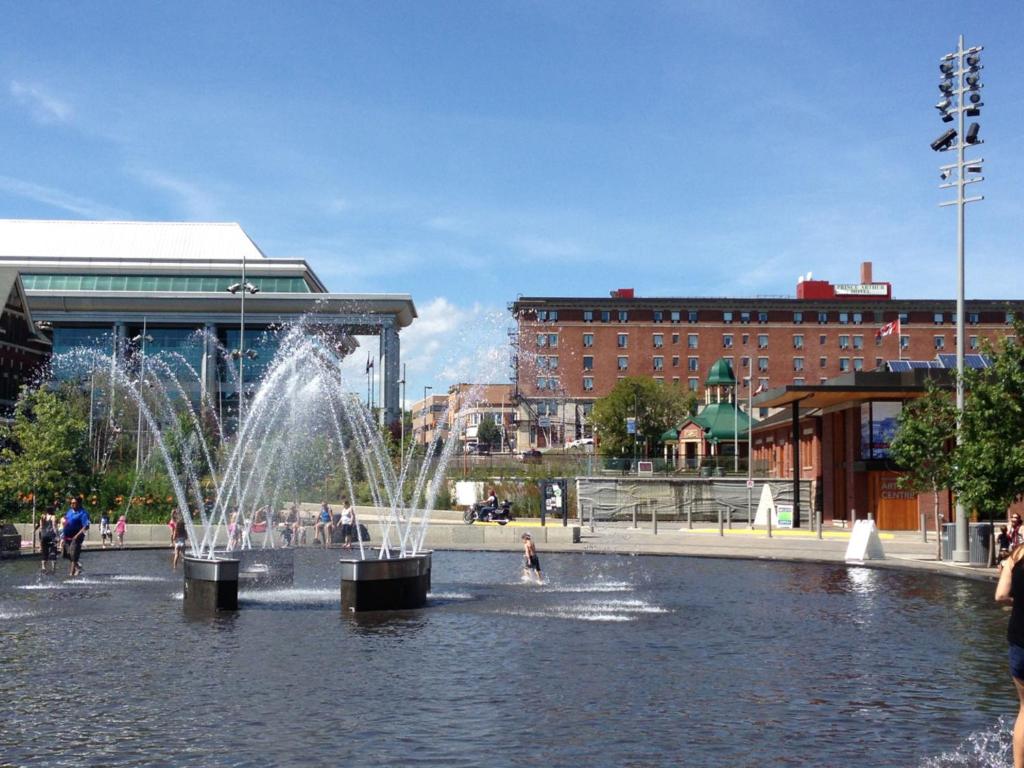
<point x="571" y="351"/>
<point x="460" y="413"/>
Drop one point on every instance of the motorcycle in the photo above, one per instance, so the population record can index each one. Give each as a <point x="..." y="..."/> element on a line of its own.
<point x="487" y="513"/>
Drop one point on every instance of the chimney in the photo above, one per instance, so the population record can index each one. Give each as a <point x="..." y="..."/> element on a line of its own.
<point x="865" y="272"/>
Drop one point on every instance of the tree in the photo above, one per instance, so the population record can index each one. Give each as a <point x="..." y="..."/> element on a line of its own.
<point x="488" y="433"/>
<point x="46" y="449"/>
<point x="656" y="407"/>
<point x="924" y="447"/>
<point x="990" y="460"/>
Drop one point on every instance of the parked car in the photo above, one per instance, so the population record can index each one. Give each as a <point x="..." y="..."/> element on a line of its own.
<point x="580" y="443"/>
<point x="532" y="456"/>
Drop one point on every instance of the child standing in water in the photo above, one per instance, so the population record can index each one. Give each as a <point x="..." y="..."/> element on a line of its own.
<point x="531" y="563"/>
<point x="106" y="536"/>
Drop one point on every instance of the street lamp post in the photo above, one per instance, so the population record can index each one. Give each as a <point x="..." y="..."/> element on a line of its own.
<point x="750" y="449"/>
<point x="402" y="409"/>
<point x="960" y="86"/>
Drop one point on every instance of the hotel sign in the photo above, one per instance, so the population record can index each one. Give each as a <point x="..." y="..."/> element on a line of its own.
<point x="862" y="289"/>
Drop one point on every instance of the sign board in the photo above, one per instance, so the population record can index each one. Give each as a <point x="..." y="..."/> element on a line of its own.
<point x="554" y="495"/>
<point x="861" y="289"/>
<point x="750" y="483"/>
<point x="864" y="543"/>
<point x="645" y="467"/>
<point x="544" y="422"/>
<point x="630" y="425"/>
<point x="784" y="515"/>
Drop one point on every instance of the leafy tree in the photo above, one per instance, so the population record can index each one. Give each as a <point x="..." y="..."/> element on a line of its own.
<point x="488" y="433"/>
<point x="990" y="460"/>
<point x="924" y="446"/>
<point x="46" y="449"/>
<point x="656" y="407"/>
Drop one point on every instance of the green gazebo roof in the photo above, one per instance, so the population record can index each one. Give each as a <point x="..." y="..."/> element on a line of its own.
<point x="721" y="375"/>
<point x="721" y="421"/>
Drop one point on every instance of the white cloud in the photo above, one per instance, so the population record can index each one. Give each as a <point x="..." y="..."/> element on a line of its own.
<point x="196" y="201"/>
<point x="44" y="107"/>
<point x="80" y="206"/>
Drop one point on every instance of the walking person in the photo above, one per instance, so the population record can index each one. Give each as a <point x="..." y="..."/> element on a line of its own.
<point x="76" y="524"/>
<point x="47" y="530"/>
<point x="120" y="529"/>
<point x="1010" y="589"/>
<point x="531" y="563"/>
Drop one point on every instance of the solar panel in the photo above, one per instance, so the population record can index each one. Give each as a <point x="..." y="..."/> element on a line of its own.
<point x="948" y="360"/>
<point x="898" y="366"/>
<point x="924" y="364"/>
<point x="978" y="361"/>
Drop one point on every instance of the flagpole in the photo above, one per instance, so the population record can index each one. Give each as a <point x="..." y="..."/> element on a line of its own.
<point x="899" y="339"/>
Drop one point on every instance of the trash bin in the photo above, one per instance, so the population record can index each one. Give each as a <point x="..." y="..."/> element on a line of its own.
<point x="979" y="535"/>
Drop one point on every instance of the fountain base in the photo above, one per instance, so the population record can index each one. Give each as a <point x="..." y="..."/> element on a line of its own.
<point x="389" y="584"/>
<point x="211" y="585"/>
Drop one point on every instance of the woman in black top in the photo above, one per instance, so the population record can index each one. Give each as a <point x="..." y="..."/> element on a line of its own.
<point x="1010" y="586"/>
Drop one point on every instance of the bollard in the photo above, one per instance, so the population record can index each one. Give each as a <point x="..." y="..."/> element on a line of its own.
<point x="591" y="517"/>
<point x="728" y="512"/>
<point x="634" y="515"/>
<point x="871" y="515"/>
<point x="769" y="529"/>
<point x="721" y="528"/>
<point x="817" y="521"/>
<point x="924" y="529"/>
<point x="853" y="517"/>
<point x="689" y="516"/>
<point x="654" y="517"/>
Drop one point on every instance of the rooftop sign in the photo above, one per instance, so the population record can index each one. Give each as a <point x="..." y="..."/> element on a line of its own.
<point x="862" y="289"/>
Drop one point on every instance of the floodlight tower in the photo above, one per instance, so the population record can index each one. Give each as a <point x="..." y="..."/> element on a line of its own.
<point x="960" y="85"/>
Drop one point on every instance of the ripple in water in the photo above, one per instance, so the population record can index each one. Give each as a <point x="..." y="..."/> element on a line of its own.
<point x="991" y="748"/>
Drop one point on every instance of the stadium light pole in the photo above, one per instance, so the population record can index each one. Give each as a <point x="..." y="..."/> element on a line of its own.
<point x="960" y="86"/>
<point x="241" y="353"/>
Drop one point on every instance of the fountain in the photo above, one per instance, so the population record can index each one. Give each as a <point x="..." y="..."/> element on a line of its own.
<point x="301" y="417"/>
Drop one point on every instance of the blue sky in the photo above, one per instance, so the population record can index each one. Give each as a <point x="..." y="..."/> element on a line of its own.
<point x="470" y="152"/>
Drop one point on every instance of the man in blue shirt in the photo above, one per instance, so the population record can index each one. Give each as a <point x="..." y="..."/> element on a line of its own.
<point x="76" y="523"/>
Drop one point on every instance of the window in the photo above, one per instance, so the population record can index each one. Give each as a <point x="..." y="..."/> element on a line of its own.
<point x="762" y="383"/>
<point x="973" y="318"/>
<point x="727" y="317"/>
<point x="973" y="341"/>
<point x="858" y="342"/>
<point x="762" y="341"/>
<point x="858" y="318"/>
<point x="542" y="362"/>
<point x="798" y="363"/>
<point x="623" y="316"/>
<point x="823" y="318"/>
<point x="659" y="380"/>
<point x="542" y="383"/>
<point x="553" y="315"/>
<point x="588" y="383"/>
<point x="659" y="340"/>
<point x="744" y="317"/>
<point x="799" y="381"/>
<point x="692" y="384"/>
<point x="588" y="339"/>
<point x="940" y="342"/>
<point x="762" y="317"/>
<point x="588" y="362"/>
<point x="553" y="340"/>
<point x="1009" y="317"/>
<point x="623" y="363"/>
<point x="878" y="363"/>
<point x="622" y="340"/>
<point x="675" y="338"/>
<point x="937" y="318"/>
<point x="674" y="315"/>
<point x="542" y="339"/>
<point x="606" y="315"/>
<point x="823" y="362"/>
<point x="762" y="364"/>
<point x="691" y="340"/>
<point x="844" y="318"/>
<point x="904" y="317"/>
<point x="691" y="316"/>
<point x="542" y="315"/>
<point x="844" y="364"/>
<point x="727" y="340"/>
<point x="675" y="381"/>
<point x="657" y="316"/>
<point x="858" y="363"/>
<point x="798" y="341"/>
<point x="693" y="364"/>
<point x="659" y="363"/>
<point x="844" y="342"/>
<point x="746" y="339"/>
<point x="745" y="362"/>
<point x="822" y="339"/>
<point x="553" y="362"/>
<point x="675" y="361"/>
<point x="588" y="315"/>
<point x="798" y="318"/>
<point x="904" y="342"/>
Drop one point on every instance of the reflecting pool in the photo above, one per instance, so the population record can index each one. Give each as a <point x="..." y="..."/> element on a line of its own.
<point x="614" y="661"/>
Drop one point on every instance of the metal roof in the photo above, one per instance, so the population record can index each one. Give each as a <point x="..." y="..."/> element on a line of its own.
<point x="126" y="240"/>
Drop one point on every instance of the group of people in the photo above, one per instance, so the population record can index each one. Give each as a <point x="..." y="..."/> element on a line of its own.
<point x="327" y="522"/>
<point x="67" y="536"/>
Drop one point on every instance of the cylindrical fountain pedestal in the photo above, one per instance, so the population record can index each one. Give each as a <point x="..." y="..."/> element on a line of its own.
<point x="211" y="585"/>
<point x="389" y="584"/>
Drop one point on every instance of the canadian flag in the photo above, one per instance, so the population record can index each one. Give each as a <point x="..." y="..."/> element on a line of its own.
<point x="888" y="329"/>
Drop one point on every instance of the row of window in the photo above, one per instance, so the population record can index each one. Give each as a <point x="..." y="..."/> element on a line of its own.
<point x="761" y="316"/>
<point x="170" y="283"/>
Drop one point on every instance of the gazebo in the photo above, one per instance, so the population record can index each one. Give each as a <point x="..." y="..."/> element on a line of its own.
<point x="721" y="426"/>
